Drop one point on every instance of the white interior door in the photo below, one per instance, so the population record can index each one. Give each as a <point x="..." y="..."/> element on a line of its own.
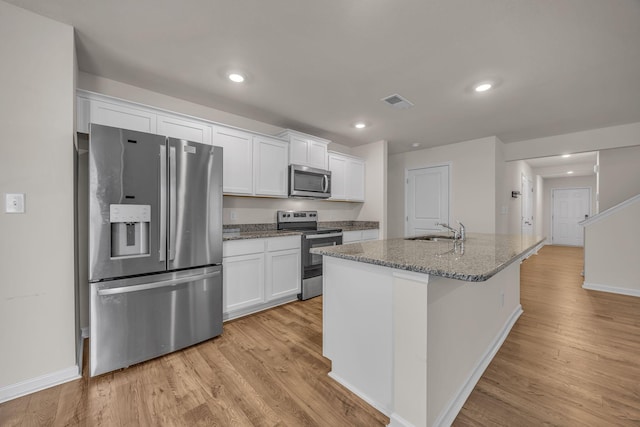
<point x="427" y="199"/>
<point x="527" y="205"/>
<point x="570" y="206"/>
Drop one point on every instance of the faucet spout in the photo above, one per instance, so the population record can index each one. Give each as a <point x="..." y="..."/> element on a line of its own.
<point x="457" y="234"/>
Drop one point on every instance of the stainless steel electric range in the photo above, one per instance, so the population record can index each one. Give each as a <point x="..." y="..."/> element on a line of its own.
<point x="312" y="237"/>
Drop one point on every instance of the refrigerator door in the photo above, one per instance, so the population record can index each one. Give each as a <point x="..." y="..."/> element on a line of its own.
<point x="137" y="319"/>
<point x="127" y="225"/>
<point x="195" y="204"/>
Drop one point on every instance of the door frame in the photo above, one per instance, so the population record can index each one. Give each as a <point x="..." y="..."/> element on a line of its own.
<point x="406" y="189"/>
<point x="553" y="201"/>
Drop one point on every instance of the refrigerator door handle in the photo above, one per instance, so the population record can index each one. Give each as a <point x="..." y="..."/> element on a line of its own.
<point x="155" y="285"/>
<point x="163" y="204"/>
<point x="172" y="203"/>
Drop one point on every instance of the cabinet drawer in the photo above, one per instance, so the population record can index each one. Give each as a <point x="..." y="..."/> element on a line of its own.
<point x="282" y="243"/>
<point x="242" y="247"/>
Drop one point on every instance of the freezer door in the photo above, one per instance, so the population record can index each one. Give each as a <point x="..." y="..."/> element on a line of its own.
<point x="195" y="204"/>
<point x="137" y="319"/>
<point x="127" y="224"/>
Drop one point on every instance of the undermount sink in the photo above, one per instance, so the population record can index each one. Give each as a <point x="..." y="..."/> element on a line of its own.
<point x="431" y="238"/>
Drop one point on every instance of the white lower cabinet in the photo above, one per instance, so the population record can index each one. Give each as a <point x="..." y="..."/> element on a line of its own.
<point x="359" y="236"/>
<point x="243" y="281"/>
<point x="259" y="274"/>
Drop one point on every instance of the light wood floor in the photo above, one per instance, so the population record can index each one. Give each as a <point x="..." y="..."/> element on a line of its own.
<point x="572" y="359"/>
<point x="266" y="369"/>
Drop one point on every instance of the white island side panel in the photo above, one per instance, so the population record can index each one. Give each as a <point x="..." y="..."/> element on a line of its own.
<point x="358" y="327"/>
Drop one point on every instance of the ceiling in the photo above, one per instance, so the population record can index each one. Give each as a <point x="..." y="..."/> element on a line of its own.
<point x="580" y="164"/>
<point x="319" y="66"/>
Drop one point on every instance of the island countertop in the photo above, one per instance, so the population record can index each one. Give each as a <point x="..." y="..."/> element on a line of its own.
<point x="476" y="259"/>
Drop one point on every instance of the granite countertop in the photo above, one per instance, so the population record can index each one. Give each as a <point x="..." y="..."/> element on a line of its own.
<point x="350" y="225"/>
<point x="474" y="260"/>
<point x="261" y="231"/>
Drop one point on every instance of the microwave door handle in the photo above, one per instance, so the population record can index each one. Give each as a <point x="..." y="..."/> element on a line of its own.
<point x="325" y="183"/>
<point x="173" y="210"/>
<point x="162" y="252"/>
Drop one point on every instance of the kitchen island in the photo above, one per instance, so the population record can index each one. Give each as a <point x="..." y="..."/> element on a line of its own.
<point x="410" y="325"/>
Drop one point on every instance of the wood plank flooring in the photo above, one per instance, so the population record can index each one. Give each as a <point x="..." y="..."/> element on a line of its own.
<point x="266" y="369"/>
<point x="572" y="359"/>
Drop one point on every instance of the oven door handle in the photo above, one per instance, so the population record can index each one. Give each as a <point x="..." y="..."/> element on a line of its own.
<point x="322" y="236"/>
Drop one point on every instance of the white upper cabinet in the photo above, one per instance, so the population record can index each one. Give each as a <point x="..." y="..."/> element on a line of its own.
<point x="254" y="165"/>
<point x="190" y="130"/>
<point x="237" y="145"/>
<point x="271" y="162"/>
<point x="338" y="168"/>
<point x="347" y="177"/>
<point x="121" y="116"/>
<point x="306" y="150"/>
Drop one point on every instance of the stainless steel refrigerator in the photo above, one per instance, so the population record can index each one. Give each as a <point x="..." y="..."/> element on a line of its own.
<point x="155" y="245"/>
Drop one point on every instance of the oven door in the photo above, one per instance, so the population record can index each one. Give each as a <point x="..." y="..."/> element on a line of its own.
<point x="312" y="263"/>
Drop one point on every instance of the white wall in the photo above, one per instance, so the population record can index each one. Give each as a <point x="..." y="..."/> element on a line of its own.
<point x="473" y="183"/>
<point x="619" y="175"/>
<point x="37" y="308"/>
<point x="576" y="142"/>
<point x="538" y="222"/>
<point x="251" y="210"/>
<point x="611" y="257"/>
<point x="513" y="182"/>
<point x="375" y="207"/>
<point x="502" y="196"/>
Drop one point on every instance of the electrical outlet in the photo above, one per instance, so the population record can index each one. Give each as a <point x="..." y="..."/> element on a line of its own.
<point x="14" y="203"/>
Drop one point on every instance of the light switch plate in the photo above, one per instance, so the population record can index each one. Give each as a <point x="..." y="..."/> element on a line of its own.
<point x="14" y="203"/>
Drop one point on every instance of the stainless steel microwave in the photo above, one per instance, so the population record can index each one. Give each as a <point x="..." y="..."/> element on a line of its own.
<point x="305" y="181"/>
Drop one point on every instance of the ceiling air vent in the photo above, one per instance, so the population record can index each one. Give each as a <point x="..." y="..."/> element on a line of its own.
<point x="397" y="101"/>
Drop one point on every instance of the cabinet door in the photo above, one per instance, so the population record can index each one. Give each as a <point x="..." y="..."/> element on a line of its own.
<point x="243" y="281"/>
<point x="338" y="168"/>
<point x="120" y="116"/>
<point x="355" y="180"/>
<point x="283" y="273"/>
<point x="190" y="130"/>
<point x="298" y="150"/>
<point x="317" y="154"/>
<point x="237" y="160"/>
<point x="271" y="161"/>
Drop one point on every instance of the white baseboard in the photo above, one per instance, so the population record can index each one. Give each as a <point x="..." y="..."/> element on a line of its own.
<point x="396" y="420"/>
<point x="453" y="407"/>
<point x="39" y="383"/>
<point x="361" y="395"/>
<point x="85" y="332"/>
<point x="611" y="289"/>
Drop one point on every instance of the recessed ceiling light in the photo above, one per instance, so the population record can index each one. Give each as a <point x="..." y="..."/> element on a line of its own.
<point x="360" y="125"/>
<point x="569" y="173"/>
<point x="483" y="87"/>
<point x="416" y="144"/>
<point x="566" y="155"/>
<point x="236" y="77"/>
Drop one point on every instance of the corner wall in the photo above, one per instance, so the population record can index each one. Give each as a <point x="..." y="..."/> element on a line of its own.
<point x="37" y="306"/>
<point x="375" y="183"/>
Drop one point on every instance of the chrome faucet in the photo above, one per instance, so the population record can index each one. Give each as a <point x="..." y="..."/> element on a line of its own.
<point x="457" y="234"/>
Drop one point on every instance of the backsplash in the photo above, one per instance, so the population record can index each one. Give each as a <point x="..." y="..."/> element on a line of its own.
<point x="255" y="210"/>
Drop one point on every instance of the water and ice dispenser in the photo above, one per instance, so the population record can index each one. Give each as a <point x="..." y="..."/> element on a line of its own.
<point x="129" y="230"/>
